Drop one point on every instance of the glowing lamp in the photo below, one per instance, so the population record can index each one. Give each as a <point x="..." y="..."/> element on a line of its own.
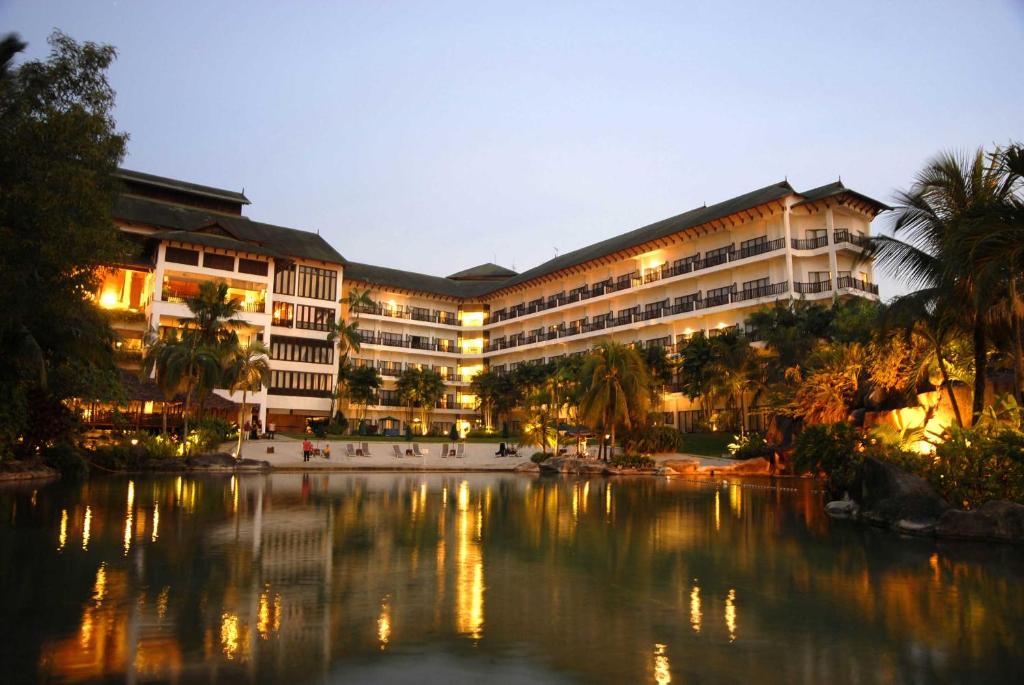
<point x="108" y="300"/>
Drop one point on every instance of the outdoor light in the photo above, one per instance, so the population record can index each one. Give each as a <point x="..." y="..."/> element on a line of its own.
<point x="108" y="299"/>
<point x="135" y="441"/>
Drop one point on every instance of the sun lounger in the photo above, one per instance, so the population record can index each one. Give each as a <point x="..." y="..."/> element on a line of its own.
<point x="416" y="450"/>
<point x="366" y="449"/>
<point x="398" y="451"/>
<point x="350" y="451"/>
<point x="444" y="450"/>
<point x="460" y="450"/>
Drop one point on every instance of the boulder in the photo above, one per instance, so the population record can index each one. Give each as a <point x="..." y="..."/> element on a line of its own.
<point x="887" y="494"/>
<point x="212" y="460"/>
<point x="628" y="471"/>
<point x="682" y="465"/>
<point x="842" y="509"/>
<point x="758" y="466"/>
<point x="254" y="464"/>
<point x="996" y="520"/>
<point x="527" y="467"/>
<point x="570" y="465"/>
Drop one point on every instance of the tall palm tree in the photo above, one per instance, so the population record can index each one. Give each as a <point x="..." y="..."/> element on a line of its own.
<point x="363" y="382"/>
<point x="347" y="339"/>
<point x="431" y="390"/>
<point x="735" y="371"/>
<point x="248" y="371"/>
<point x="616" y="388"/>
<point x="154" y="362"/>
<point x="954" y="200"/>
<point x="408" y="388"/>
<point x="358" y="299"/>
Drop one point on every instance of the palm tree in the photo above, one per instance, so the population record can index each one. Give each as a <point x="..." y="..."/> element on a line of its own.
<point x="154" y="361"/>
<point x="616" y="388"/>
<point x="954" y="202"/>
<point x="347" y="339"/>
<point x="357" y="300"/>
<point x="248" y="371"/>
<point x="735" y="370"/>
<point x="363" y="383"/>
<point x="431" y="390"/>
<point x="408" y="388"/>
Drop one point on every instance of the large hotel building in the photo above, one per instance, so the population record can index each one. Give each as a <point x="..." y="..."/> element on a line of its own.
<point x="704" y="270"/>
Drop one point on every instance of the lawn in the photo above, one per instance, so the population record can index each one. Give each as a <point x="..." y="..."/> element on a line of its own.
<point x="707" y="444"/>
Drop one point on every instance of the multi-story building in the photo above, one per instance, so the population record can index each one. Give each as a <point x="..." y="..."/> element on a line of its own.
<point x="704" y="270"/>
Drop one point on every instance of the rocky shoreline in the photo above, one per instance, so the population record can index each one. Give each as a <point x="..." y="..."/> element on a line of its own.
<point x="672" y="467"/>
<point x="886" y="496"/>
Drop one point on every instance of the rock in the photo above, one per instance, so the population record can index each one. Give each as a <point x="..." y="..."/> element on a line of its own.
<point x="887" y="494"/>
<point x="627" y="471"/>
<point x="914" y="527"/>
<point x="682" y="465"/>
<point x="211" y="459"/>
<point x="996" y="520"/>
<point x="527" y="467"/>
<point x="254" y="464"/>
<point x="758" y="466"/>
<point x="842" y="509"/>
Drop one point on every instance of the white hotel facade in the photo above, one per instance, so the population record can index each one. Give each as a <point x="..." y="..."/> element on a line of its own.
<point x="704" y="270"/>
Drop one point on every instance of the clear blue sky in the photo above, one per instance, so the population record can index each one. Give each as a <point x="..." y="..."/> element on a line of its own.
<point x="434" y="136"/>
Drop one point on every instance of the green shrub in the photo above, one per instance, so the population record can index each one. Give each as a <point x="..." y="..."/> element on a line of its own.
<point x="538" y="457"/>
<point x="749" y="446"/>
<point x="210" y="432"/>
<point x="977" y="465"/>
<point x="653" y="439"/>
<point x="66" y="458"/>
<point x="633" y="461"/>
<point x="835" y="450"/>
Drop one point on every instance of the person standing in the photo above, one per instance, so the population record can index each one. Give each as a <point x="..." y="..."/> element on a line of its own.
<point x="307" y="449"/>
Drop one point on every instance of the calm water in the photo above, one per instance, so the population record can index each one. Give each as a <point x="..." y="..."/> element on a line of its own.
<point x="408" y="578"/>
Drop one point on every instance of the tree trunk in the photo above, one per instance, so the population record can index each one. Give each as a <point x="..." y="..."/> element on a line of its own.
<point x="949" y="388"/>
<point x="241" y="426"/>
<point x="163" y="418"/>
<point x="980" y="367"/>
<point x="184" y="418"/>
<point x="611" y="444"/>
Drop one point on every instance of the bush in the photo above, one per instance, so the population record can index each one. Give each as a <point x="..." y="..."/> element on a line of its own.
<point x="974" y="466"/>
<point x="835" y="450"/>
<point x="538" y="457"/>
<point x="210" y="432"/>
<point x="124" y="455"/>
<point x="318" y="426"/>
<point x="749" y="446"/>
<point x="633" y="461"/>
<point x="653" y="439"/>
<point x="66" y="458"/>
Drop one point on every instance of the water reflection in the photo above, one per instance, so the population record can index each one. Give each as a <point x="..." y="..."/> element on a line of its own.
<point x="290" y="578"/>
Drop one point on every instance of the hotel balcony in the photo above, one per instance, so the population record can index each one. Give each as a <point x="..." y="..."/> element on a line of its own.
<point x="413" y="342"/>
<point x="410" y="314"/>
<point x="856" y="284"/>
<point x="634" y="279"/>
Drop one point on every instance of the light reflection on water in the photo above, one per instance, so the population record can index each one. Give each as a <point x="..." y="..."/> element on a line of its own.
<point x="403" y="578"/>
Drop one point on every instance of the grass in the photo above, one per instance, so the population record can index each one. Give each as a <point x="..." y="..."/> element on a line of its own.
<point x="707" y="444"/>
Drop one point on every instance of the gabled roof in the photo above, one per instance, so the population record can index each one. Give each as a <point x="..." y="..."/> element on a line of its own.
<point x="181" y="186"/>
<point x="410" y="280"/>
<point x="660" y="229"/>
<point x="486" y="271"/>
<point x="836" y="189"/>
<point x="290" y="242"/>
<point x="218" y="241"/>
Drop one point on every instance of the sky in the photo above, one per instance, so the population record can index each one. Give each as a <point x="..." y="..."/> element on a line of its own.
<point x="434" y="136"/>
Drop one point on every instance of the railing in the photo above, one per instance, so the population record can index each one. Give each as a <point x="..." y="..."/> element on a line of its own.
<point x="843" y="235"/>
<point x="438" y="316"/>
<point x="810" y="243"/>
<point x="813" y="287"/>
<point x="761" y="291"/>
<point x="253" y="307"/>
<point x="437" y="345"/>
<point x="634" y="279"/>
<point x="856" y="284"/>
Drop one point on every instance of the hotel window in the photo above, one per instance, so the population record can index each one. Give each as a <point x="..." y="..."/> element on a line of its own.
<point x="300" y="383"/>
<point x="756" y="283"/>
<point x="819" y="276"/>
<point x="252" y="266"/>
<point x="718" y="255"/>
<point x="180" y="255"/>
<point x="817" y="233"/>
<point x="284" y="314"/>
<point x="317" y="284"/>
<point x="301" y="350"/>
<point x="313" y="318"/>
<point x="749" y="247"/>
<point x="218" y="261"/>
<point x="284" y="279"/>
<point x="720" y="295"/>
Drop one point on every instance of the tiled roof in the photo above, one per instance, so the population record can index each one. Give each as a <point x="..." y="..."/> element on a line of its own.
<point x="410" y="280"/>
<point x="487" y="271"/>
<point x="183" y="186"/>
<point x="286" y="241"/>
<point x="835" y="189"/>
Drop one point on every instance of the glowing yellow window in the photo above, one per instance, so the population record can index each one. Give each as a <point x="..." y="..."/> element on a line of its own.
<point x="472" y="345"/>
<point x="472" y="318"/>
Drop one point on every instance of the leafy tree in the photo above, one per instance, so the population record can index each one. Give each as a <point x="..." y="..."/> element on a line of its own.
<point x="58" y="153"/>
<point x="362" y="382"/>
<point x="695" y="370"/>
<point x="154" y="363"/>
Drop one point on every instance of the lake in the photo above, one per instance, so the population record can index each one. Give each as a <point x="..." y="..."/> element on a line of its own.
<point x="442" y="578"/>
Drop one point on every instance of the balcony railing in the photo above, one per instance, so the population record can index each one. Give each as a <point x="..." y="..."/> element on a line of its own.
<point x="436" y="345"/>
<point x="810" y="243"/>
<point x="813" y="287"/>
<point x="437" y="316"/>
<point x="635" y="278"/>
<point x="856" y="284"/>
<point x="606" y="321"/>
<point x="843" y="235"/>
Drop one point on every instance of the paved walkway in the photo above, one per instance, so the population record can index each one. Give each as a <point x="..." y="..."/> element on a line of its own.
<point x="478" y="456"/>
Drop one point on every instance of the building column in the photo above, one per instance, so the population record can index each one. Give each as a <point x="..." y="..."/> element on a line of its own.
<point x="833" y="262"/>
<point x="787" y="230"/>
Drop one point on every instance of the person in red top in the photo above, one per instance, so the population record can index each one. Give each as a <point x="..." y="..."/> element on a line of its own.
<point x="307" y="449"/>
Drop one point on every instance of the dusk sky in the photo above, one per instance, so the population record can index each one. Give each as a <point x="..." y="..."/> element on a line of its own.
<point x="434" y="136"/>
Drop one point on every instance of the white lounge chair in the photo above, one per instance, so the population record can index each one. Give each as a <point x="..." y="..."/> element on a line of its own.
<point x="398" y="451"/>
<point x="350" y="451"/>
<point x="460" y="450"/>
<point x="416" y="450"/>
<point x="366" y="449"/>
<point x="444" y="450"/>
